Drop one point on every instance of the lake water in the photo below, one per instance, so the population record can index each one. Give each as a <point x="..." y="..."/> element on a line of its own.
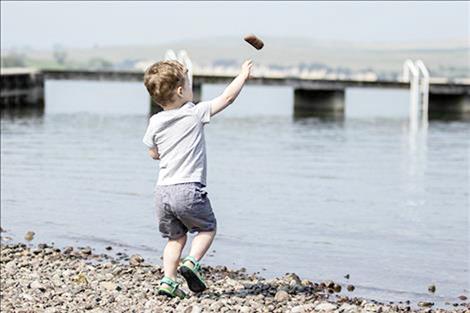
<point x="321" y="198"/>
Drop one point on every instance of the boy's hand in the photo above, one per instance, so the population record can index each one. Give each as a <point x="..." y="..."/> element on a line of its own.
<point x="153" y="152"/>
<point x="246" y="69"/>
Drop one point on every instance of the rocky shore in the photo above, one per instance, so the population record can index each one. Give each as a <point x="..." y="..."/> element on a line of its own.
<point x="43" y="278"/>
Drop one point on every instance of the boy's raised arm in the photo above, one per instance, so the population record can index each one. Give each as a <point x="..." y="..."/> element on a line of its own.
<point x="231" y="92"/>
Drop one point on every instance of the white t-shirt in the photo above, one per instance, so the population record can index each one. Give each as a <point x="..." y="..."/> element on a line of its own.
<point x="179" y="136"/>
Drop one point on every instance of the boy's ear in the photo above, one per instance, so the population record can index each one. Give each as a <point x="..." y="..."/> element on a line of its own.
<point x="179" y="91"/>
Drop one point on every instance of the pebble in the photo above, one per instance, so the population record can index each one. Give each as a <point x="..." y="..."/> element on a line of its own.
<point x="350" y="288"/>
<point x="37" y="285"/>
<point x="29" y="236"/>
<point x="432" y="288"/>
<point x="462" y="297"/>
<point x="425" y="304"/>
<point x="337" y="288"/>
<point x="136" y="260"/>
<point x="56" y="281"/>
<point x="85" y="251"/>
<point x="325" y="307"/>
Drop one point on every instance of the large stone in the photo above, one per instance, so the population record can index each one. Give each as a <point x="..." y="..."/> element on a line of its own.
<point x="281" y="296"/>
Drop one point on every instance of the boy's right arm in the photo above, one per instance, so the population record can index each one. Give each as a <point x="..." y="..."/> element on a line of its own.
<point x="153" y="153"/>
<point x="231" y="92"/>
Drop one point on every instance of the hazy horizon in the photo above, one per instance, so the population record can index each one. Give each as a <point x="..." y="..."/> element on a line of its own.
<point x="45" y="25"/>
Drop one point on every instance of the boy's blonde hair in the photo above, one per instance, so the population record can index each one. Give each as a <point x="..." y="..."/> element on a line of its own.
<point x="162" y="79"/>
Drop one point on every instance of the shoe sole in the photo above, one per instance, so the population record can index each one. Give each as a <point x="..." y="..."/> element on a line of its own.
<point x="164" y="293"/>
<point x="193" y="281"/>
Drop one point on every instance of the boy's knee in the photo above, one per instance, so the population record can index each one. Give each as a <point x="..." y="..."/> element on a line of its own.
<point x="182" y="239"/>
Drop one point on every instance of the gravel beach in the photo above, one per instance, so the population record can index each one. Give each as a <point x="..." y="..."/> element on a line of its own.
<point x="44" y="278"/>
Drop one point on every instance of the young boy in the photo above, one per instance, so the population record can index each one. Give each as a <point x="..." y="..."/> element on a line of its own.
<point x="175" y="136"/>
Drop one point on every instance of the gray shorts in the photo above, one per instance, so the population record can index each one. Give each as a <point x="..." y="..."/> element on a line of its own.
<point x="182" y="208"/>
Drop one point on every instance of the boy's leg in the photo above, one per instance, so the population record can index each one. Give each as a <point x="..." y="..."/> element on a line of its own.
<point x="200" y="244"/>
<point x="172" y="255"/>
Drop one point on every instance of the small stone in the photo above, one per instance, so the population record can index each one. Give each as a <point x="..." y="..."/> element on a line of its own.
<point x="325" y="307"/>
<point x="306" y="282"/>
<point x="346" y="276"/>
<point x="136" y="260"/>
<point x="348" y="308"/>
<point x="109" y="248"/>
<point x="29" y="236"/>
<point x="330" y="284"/>
<point x="298" y="309"/>
<point x="2" y="230"/>
<point x="6" y="238"/>
<point x="425" y="304"/>
<point x="432" y="288"/>
<point x="26" y="296"/>
<point x="42" y="246"/>
<point x="80" y="279"/>
<point x="68" y="250"/>
<point x="462" y="297"/>
<point x="281" y="296"/>
<point x="216" y="306"/>
<point x="244" y="309"/>
<point x="193" y="309"/>
<point x="337" y="288"/>
<point x="350" y="288"/>
<point x="85" y="251"/>
<point x="294" y="279"/>
<point x="37" y="285"/>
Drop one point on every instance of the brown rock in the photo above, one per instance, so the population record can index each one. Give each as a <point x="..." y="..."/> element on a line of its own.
<point x="350" y="288"/>
<point x="254" y="41"/>
<point x="136" y="260"/>
<point x="29" y="236"/>
<point x="432" y="288"/>
<point x="424" y="304"/>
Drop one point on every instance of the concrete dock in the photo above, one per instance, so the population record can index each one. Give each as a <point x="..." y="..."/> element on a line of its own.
<point x="24" y="87"/>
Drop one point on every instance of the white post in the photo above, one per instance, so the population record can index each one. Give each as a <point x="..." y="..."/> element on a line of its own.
<point x="409" y="67"/>
<point x="186" y="61"/>
<point x="424" y="91"/>
<point x="170" y="55"/>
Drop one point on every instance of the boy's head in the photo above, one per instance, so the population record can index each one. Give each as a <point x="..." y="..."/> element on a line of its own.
<point x="167" y="83"/>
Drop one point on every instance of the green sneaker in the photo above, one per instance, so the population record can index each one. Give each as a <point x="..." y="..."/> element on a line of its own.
<point x="172" y="289"/>
<point x="193" y="275"/>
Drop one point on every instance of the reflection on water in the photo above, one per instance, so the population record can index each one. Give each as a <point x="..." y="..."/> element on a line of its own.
<point x="22" y="113"/>
<point x="322" y="198"/>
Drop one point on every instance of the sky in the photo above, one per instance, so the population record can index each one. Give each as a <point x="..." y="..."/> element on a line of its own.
<point x="46" y="24"/>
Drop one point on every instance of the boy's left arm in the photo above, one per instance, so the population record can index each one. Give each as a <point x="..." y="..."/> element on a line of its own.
<point x="148" y="140"/>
